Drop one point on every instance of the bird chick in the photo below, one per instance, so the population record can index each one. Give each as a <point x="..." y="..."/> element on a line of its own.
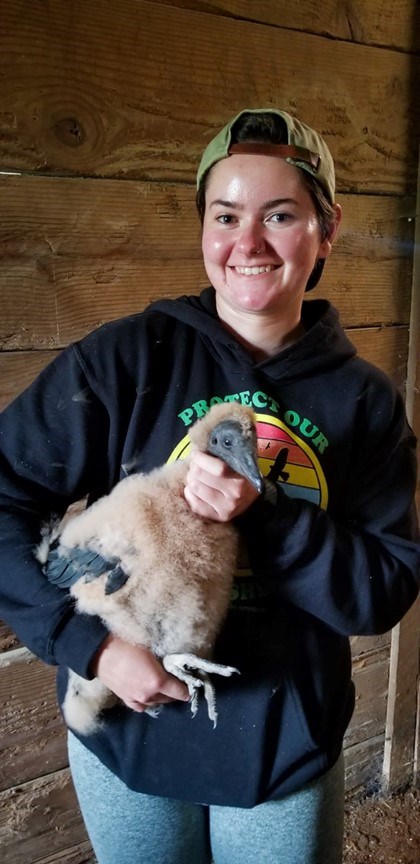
<point x="157" y="574"/>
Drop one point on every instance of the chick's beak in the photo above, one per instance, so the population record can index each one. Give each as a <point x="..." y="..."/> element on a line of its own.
<point x="245" y="463"/>
<point x="248" y="467"/>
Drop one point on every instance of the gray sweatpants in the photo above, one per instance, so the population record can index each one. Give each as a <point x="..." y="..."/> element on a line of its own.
<point x="126" y="827"/>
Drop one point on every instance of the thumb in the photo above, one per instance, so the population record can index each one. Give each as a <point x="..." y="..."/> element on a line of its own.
<point x="175" y="689"/>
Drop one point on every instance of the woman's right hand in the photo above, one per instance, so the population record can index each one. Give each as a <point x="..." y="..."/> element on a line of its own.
<point x="135" y="675"/>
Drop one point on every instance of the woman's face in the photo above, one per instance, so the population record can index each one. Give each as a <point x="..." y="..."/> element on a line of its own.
<point x="261" y="236"/>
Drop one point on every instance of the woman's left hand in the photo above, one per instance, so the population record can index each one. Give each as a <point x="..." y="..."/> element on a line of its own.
<point x="214" y="491"/>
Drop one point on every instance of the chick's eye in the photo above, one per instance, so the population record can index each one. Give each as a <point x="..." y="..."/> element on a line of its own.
<point x="227" y="442"/>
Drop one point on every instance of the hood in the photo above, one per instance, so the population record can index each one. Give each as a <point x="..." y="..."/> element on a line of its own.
<point x="323" y="346"/>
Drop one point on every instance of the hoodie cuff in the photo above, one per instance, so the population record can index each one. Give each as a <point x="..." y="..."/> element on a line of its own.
<point x="270" y="494"/>
<point x="77" y="643"/>
<point x="267" y="505"/>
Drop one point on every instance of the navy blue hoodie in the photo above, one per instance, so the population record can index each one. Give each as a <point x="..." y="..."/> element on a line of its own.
<point x="334" y="555"/>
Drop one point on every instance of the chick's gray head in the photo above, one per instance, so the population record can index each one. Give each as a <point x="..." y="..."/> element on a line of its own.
<point x="228" y="432"/>
<point x="238" y="449"/>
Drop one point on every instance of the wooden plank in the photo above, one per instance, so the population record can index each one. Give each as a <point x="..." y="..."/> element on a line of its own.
<point x="370" y="675"/>
<point x="8" y="640"/>
<point x="17" y="655"/>
<point x="368" y="644"/>
<point x="402" y="736"/>
<point x="32" y="739"/>
<point x="39" y="820"/>
<point x="402" y="704"/>
<point x="363" y="765"/>
<point x="76" y="253"/>
<point x="17" y="370"/>
<point x="364" y="21"/>
<point x="385" y="348"/>
<point x="413" y="388"/>
<point x="80" y="854"/>
<point x="416" y="766"/>
<point x="413" y="364"/>
<point x="146" y="109"/>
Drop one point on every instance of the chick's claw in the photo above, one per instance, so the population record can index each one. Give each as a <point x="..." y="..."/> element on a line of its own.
<point x="193" y="671"/>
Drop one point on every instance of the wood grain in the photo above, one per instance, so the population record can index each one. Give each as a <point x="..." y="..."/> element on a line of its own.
<point x="384" y="347"/>
<point x="364" y="21"/>
<point x="76" y="253"/>
<point x="40" y="820"/>
<point x="81" y="853"/>
<point x="99" y="89"/>
<point x="8" y="640"/>
<point x="363" y="765"/>
<point x="32" y="741"/>
<point x="17" y="370"/>
<point x="370" y="675"/>
<point x="402" y="703"/>
<point x="368" y="644"/>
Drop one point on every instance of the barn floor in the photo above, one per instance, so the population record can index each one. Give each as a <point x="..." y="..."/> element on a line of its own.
<point x="383" y="830"/>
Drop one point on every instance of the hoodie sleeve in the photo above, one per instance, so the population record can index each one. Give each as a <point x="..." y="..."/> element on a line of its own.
<point x="53" y="448"/>
<point x="358" y="572"/>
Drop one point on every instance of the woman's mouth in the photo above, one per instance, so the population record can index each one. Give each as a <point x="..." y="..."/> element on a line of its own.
<point x="254" y="271"/>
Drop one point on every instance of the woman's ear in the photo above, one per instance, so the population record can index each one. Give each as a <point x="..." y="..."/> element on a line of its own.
<point x="338" y="216"/>
<point x="327" y="243"/>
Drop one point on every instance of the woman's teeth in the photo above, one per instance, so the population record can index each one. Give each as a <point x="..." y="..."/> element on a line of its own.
<point x="254" y="271"/>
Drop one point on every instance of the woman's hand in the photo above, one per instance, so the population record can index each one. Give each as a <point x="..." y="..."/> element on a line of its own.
<point x="214" y="491"/>
<point x="135" y="675"/>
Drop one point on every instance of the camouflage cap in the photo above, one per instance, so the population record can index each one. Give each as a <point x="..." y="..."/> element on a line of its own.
<point x="304" y="148"/>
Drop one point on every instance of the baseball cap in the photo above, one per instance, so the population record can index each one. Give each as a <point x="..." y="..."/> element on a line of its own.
<point x="305" y="148"/>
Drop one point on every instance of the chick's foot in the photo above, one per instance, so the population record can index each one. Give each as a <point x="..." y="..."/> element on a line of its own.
<point x="194" y="671"/>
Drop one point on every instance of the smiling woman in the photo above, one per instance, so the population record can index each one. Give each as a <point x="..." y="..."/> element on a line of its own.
<point x="328" y="547"/>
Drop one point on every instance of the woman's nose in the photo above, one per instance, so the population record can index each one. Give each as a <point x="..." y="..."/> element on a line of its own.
<point x="250" y="241"/>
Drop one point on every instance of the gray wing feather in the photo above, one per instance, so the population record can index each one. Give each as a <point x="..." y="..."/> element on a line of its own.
<point x="64" y="567"/>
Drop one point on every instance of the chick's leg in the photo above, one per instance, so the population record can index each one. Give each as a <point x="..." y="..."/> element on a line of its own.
<point x="194" y="671"/>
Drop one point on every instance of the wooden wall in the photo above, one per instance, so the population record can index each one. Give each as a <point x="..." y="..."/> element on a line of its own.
<point x="105" y="107"/>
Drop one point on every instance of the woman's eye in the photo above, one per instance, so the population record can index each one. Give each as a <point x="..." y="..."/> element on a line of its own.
<point x="279" y="217"/>
<point x="225" y="218"/>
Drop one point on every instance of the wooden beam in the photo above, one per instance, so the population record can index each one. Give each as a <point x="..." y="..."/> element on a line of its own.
<point x="400" y="730"/>
<point x="72" y="103"/>
<point x="401" y="737"/>
<point x="363" y="21"/>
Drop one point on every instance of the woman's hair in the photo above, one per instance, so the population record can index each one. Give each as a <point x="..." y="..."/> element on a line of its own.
<point x="270" y="128"/>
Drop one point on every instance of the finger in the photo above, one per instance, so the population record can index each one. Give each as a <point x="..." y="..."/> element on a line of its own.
<point x="215" y="486"/>
<point x="139" y="707"/>
<point x="203" y="463"/>
<point x="159" y="699"/>
<point x="163" y="699"/>
<point x="199" y="506"/>
<point x="174" y="689"/>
